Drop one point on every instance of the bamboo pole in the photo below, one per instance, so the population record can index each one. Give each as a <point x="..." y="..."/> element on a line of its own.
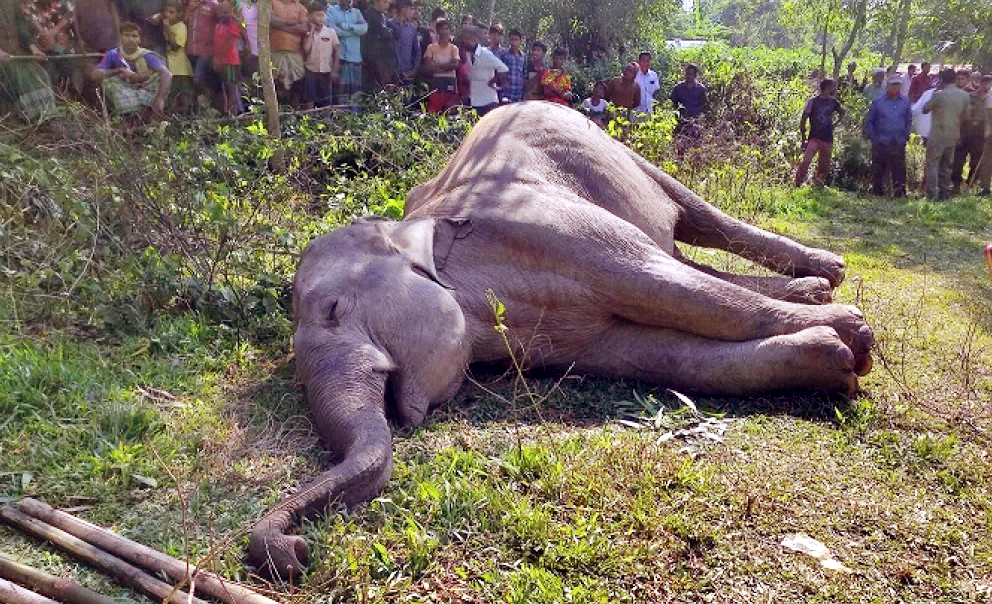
<point x="81" y="55"/>
<point x="12" y="593"/>
<point x="62" y="589"/>
<point x="141" y="555"/>
<point x="121" y="570"/>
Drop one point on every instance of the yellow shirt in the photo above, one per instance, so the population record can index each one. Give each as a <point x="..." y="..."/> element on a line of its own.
<point x="176" y="60"/>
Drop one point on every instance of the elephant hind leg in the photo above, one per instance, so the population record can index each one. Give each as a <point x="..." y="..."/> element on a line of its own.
<point x="802" y="290"/>
<point x="813" y="359"/>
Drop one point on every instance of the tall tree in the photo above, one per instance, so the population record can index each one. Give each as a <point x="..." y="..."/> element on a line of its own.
<point x="265" y="70"/>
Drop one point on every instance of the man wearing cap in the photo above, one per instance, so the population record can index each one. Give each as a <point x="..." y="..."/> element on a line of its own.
<point x="877" y="87"/>
<point x="949" y="109"/>
<point x="888" y="123"/>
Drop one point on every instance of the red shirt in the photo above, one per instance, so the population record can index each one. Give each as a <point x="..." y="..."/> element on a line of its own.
<point x="227" y="32"/>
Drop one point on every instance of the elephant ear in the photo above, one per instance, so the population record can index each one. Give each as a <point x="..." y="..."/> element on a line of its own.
<point x="426" y="243"/>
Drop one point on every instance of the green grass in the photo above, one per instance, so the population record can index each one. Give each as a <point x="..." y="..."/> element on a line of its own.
<point x="181" y="436"/>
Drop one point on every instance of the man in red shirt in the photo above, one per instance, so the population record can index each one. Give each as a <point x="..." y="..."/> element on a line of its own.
<point x="920" y="83"/>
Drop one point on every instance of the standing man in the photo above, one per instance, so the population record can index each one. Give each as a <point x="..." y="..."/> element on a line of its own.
<point x="689" y="99"/>
<point x="486" y="73"/>
<point x="647" y="79"/>
<point x="972" y="141"/>
<point x="624" y="91"/>
<point x="948" y="109"/>
<point x="819" y="112"/>
<point x="533" y="90"/>
<point x="888" y="122"/>
<point x="288" y="24"/>
<point x="379" y="48"/>
<point x="408" y="51"/>
<point x="516" y="61"/>
<point x="350" y="25"/>
<point x="985" y="166"/>
<point x="850" y="81"/>
<point x="920" y="83"/>
<point x="875" y="89"/>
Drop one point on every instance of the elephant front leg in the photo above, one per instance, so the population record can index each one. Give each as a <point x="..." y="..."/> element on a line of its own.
<point x="703" y="225"/>
<point x="812" y="359"/>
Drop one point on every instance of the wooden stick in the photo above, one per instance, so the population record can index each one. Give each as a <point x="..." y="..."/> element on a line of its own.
<point x="12" y="593"/>
<point x="144" y="556"/>
<point x="62" y="589"/>
<point x="121" y="570"/>
<point x="83" y="55"/>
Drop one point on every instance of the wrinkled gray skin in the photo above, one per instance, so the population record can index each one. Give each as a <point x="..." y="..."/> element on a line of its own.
<point x="576" y="235"/>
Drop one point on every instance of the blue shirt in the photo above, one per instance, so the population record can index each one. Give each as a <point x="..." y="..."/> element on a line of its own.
<point x="516" y="62"/>
<point x="350" y="26"/>
<point x="889" y="120"/>
<point x="407" y="48"/>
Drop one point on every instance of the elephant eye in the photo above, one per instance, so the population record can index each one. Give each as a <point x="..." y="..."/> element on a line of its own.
<point x="332" y="314"/>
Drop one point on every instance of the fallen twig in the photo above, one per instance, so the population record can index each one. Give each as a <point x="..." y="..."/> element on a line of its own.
<point x="141" y="555"/>
<point x="12" y="593"/>
<point x="80" y="55"/>
<point x="125" y="573"/>
<point x="62" y="589"/>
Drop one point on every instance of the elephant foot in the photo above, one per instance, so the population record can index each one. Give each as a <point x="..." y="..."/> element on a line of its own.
<point x="276" y="554"/>
<point x="821" y="263"/>
<point x="816" y="357"/>
<point x="809" y="290"/>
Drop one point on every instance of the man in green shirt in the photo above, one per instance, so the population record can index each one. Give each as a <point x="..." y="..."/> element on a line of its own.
<point x="949" y="108"/>
<point x="877" y="87"/>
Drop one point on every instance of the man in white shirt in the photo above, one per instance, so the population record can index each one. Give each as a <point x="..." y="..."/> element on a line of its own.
<point x="486" y="73"/>
<point x="647" y="79"/>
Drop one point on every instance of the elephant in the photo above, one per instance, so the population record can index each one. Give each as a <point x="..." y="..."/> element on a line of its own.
<point x="575" y="235"/>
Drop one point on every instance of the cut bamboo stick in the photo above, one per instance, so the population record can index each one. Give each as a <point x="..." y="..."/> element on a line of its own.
<point x="142" y="555"/>
<point x="62" y="589"/>
<point x="81" y="55"/>
<point x="124" y="572"/>
<point x="12" y="593"/>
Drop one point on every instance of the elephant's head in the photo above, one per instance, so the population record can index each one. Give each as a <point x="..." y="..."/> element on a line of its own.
<point x="377" y="333"/>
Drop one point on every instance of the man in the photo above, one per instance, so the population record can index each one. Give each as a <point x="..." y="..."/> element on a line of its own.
<point x="920" y="83"/>
<point x="288" y="24"/>
<point x="350" y="25"/>
<point x="516" y="62"/>
<point x="486" y="73"/>
<point x="533" y="90"/>
<point x="408" y="51"/>
<point x="850" y="81"/>
<point x="875" y="89"/>
<point x="948" y="109"/>
<point x="819" y="112"/>
<point x="133" y="78"/>
<point x="624" y="91"/>
<point x="972" y="142"/>
<point x="689" y="99"/>
<point x="23" y="84"/>
<point x="907" y="80"/>
<point x="985" y="166"/>
<point x="495" y="40"/>
<point x="888" y="122"/>
<point x="647" y="79"/>
<point x="378" y="48"/>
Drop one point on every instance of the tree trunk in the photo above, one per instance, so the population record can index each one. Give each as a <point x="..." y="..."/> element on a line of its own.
<point x="492" y="12"/>
<point x="265" y="70"/>
<point x="860" y="18"/>
<point x="904" y="13"/>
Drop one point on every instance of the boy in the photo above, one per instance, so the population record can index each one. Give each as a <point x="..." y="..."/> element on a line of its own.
<point x="819" y="112"/>
<point x="516" y="61"/>
<point x="227" y="61"/>
<point x="556" y="81"/>
<point x="533" y="90"/>
<point x="595" y="107"/>
<point x="133" y="78"/>
<point x="174" y="32"/>
<point x="323" y="64"/>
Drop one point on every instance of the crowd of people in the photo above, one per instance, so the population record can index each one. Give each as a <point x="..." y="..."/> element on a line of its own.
<point x="950" y="111"/>
<point x="177" y="56"/>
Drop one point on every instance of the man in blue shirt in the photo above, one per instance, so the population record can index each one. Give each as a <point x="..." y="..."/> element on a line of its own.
<point x="350" y="25"/>
<point x="889" y="121"/>
<point x="516" y="61"/>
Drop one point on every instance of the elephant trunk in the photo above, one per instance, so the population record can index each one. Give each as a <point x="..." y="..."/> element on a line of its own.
<point x="347" y="401"/>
